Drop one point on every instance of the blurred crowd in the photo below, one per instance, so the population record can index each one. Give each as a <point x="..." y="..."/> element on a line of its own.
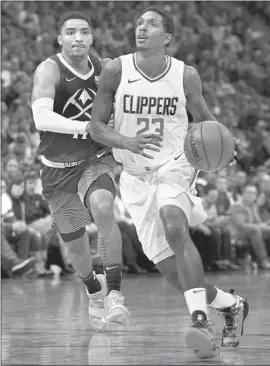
<point x="228" y="44"/>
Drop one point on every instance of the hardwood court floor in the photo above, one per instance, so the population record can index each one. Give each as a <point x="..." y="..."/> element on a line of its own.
<point x="46" y="323"/>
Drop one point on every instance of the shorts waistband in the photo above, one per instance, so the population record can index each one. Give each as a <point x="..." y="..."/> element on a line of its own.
<point x="138" y="170"/>
<point x="61" y="165"/>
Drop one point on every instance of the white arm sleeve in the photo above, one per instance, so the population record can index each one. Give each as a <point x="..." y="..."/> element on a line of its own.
<point x="47" y="120"/>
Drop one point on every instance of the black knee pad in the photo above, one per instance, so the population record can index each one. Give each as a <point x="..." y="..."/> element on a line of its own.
<point x="67" y="237"/>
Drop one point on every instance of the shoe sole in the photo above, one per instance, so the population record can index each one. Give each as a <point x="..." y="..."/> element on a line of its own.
<point x="245" y="314"/>
<point x="203" y="346"/>
<point x="24" y="267"/>
<point x="99" y="324"/>
<point x="120" y="316"/>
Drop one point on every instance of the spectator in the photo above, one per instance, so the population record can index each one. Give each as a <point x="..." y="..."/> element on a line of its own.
<point x="22" y="211"/>
<point x="246" y="234"/>
<point x="14" y="231"/>
<point x="263" y="199"/>
<point x="224" y="199"/>
<point x="11" y="168"/>
<point x="11" y="264"/>
<point x="216" y="225"/>
<point x="237" y="182"/>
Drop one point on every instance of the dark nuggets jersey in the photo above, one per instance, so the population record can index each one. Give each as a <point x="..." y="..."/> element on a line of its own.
<point x="74" y="97"/>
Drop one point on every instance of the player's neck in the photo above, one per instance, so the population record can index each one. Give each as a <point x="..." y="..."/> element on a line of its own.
<point x="79" y="63"/>
<point x="152" y="64"/>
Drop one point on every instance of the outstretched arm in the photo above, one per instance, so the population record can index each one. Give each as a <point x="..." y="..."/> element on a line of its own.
<point x="46" y="79"/>
<point x="195" y="102"/>
<point x="101" y="111"/>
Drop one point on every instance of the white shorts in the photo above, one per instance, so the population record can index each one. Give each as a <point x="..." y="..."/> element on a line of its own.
<point x="144" y="195"/>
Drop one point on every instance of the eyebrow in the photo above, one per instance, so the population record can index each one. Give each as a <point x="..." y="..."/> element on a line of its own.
<point x="147" y="19"/>
<point x="74" y="28"/>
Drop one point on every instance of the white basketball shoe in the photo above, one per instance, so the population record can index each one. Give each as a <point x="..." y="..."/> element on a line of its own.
<point x="96" y="306"/>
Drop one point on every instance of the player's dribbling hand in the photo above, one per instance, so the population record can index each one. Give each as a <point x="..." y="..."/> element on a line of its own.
<point x="144" y="142"/>
<point x="233" y="161"/>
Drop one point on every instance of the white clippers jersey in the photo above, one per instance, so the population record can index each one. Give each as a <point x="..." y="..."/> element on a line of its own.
<point x="151" y="105"/>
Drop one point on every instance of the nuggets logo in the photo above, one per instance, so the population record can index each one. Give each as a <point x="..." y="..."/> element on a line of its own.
<point x="79" y="104"/>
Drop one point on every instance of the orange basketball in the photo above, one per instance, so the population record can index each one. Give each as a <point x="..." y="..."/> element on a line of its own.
<point x="209" y="146"/>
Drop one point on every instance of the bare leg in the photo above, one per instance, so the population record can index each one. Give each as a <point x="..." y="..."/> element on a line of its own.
<point x="189" y="265"/>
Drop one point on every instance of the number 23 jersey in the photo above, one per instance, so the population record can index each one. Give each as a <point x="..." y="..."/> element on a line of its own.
<point x="146" y="105"/>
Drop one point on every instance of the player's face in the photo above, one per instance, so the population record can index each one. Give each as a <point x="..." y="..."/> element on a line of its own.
<point x="76" y="37"/>
<point x="150" y="31"/>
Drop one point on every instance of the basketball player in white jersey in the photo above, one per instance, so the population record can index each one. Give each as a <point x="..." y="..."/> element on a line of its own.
<point x="150" y="93"/>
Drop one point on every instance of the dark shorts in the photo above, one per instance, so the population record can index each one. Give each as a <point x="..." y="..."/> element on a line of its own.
<point x="65" y="190"/>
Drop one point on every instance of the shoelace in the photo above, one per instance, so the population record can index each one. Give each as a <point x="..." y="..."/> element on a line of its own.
<point x="229" y="317"/>
<point x="116" y="300"/>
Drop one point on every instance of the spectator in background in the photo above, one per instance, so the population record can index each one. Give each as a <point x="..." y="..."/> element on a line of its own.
<point x="249" y="201"/>
<point x="217" y="223"/>
<point x="11" y="264"/>
<point x="237" y="182"/>
<point x="224" y="199"/>
<point x="21" y="148"/>
<point x="246" y="234"/>
<point x="14" y="232"/>
<point x="263" y="199"/>
<point x="22" y="209"/>
<point x="11" y="168"/>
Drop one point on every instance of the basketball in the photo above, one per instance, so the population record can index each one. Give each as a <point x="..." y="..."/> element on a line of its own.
<point x="209" y="146"/>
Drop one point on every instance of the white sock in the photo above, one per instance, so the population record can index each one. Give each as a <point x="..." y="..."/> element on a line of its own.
<point x="222" y="300"/>
<point x="196" y="299"/>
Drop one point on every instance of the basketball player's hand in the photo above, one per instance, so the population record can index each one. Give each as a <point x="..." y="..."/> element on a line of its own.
<point x="143" y="142"/>
<point x="233" y="161"/>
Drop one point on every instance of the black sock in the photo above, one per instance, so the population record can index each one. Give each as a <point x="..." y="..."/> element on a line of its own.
<point x="113" y="276"/>
<point x="92" y="283"/>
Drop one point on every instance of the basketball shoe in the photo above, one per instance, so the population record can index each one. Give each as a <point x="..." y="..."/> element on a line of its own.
<point x="199" y="336"/>
<point x="234" y="318"/>
<point x="115" y="310"/>
<point x="96" y="306"/>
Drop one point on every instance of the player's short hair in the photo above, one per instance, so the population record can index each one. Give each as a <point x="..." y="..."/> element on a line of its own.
<point x="72" y="15"/>
<point x="167" y="19"/>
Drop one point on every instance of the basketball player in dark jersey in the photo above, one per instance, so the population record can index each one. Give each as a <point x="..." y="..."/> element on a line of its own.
<point x="77" y="173"/>
<point x="136" y="85"/>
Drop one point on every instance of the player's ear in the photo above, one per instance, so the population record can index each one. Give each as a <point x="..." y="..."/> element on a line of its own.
<point x="91" y="39"/>
<point x="59" y="39"/>
<point x="168" y="39"/>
